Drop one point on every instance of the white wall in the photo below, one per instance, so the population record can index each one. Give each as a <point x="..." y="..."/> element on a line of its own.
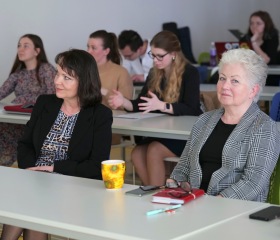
<point x="65" y="24"/>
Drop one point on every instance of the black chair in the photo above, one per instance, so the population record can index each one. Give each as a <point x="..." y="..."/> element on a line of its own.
<point x="186" y="44"/>
<point x="274" y="112"/>
<point x="184" y="37"/>
<point x="172" y="27"/>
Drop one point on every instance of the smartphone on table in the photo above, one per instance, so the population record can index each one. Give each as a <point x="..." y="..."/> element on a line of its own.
<point x="267" y="214"/>
<point x="142" y="190"/>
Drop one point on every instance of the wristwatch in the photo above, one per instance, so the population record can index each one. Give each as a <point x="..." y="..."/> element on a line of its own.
<point x="167" y="106"/>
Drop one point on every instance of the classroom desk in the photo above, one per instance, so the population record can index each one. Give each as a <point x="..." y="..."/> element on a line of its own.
<point x="82" y="208"/>
<point x="173" y="127"/>
<point x="14" y="118"/>
<point x="241" y="228"/>
<point x="273" y="70"/>
<point x="266" y="95"/>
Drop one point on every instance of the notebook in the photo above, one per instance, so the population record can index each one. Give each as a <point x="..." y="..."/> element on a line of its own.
<point x="166" y="196"/>
<point x="221" y="47"/>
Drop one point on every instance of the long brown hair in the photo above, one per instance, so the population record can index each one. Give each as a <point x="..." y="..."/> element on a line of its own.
<point x="169" y="42"/>
<point x="41" y="57"/>
<point x="269" y="27"/>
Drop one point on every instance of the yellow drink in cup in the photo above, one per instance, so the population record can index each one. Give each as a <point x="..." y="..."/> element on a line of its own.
<point x="113" y="173"/>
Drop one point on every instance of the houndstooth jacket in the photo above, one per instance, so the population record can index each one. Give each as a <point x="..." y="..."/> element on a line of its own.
<point x="248" y="158"/>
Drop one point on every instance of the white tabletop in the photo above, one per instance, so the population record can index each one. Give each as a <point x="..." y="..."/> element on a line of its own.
<point x="266" y="95"/>
<point x="241" y="228"/>
<point x="83" y="209"/>
<point x="273" y="70"/>
<point x="164" y="126"/>
<point x="175" y="127"/>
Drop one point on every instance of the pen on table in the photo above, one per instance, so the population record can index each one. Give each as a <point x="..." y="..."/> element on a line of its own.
<point x="161" y="210"/>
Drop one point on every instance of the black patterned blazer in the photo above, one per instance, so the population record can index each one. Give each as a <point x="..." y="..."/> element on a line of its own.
<point x="90" y="142"/>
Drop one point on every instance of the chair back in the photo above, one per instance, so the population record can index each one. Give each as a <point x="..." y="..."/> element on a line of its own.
<point x="274" y="112"/>
<point x="184" y="37"/>
<point x="186" y="43"/>
<point x="209" y="101"/>
<point x="172" y="27"/>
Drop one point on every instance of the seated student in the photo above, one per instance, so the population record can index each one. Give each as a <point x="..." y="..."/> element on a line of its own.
<point x="68" y="133"/>
<point x="172" y="87"/>
<point x="103" y="46"/>
<point x="232" y="151"/>
<point x="263" y="36"/>
<point x="31" y="76"/>
<point x="264" y="39"/>
<point x="135" y="54"/>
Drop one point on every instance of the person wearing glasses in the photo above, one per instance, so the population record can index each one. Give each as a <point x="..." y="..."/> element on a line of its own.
<point x="232" y="151"/>
<point x="172" y="87"/>
<point x="135" y="55"/>
<point x="69" y="132"/>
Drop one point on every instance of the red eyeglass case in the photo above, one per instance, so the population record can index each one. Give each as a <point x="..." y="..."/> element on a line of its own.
<point x="165" y="196"/>
<point x="23" y="108"/>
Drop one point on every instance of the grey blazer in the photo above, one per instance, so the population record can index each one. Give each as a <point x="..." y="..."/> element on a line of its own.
<point x="248" y="158"/>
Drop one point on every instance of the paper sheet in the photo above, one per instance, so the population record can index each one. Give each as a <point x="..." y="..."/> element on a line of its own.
<point x="138" y="115"/>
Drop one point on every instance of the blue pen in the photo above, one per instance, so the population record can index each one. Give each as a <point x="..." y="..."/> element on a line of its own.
<point x="161" y="210"/>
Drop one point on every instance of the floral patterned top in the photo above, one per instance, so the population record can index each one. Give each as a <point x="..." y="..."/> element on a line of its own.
<point x="55" y="146"/>
<point x="26" y="86"/>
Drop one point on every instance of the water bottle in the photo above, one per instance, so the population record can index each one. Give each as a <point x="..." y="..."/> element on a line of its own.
<point x="213" y="55"/>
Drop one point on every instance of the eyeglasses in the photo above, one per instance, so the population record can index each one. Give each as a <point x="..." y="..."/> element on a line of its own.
<point x="158" y="57"/>
<point x="181" y="189"/>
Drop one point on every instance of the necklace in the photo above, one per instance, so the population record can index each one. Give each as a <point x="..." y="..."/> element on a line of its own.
<point x="68" y="112"/>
